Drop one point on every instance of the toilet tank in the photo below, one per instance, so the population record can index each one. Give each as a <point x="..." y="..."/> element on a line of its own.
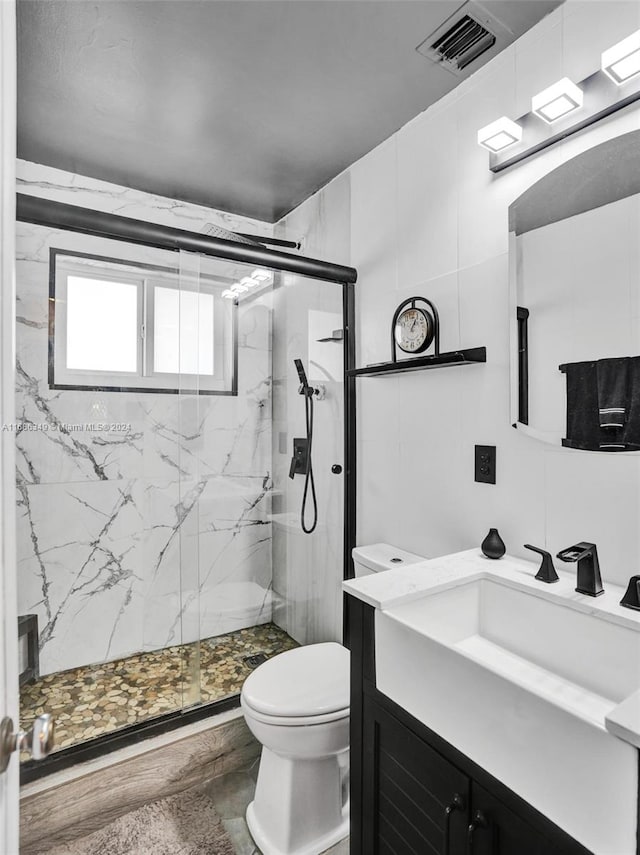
<point x="381" y="556"/>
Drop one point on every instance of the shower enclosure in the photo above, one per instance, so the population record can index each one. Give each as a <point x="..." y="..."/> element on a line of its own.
<point x="160" y="551"/>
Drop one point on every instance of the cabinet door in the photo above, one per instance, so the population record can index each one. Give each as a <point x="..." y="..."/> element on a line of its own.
<point x="407" y="789"/>
<point x="496" y="830"/>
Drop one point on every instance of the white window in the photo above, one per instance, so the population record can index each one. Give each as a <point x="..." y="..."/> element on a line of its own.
<point x="116" y="325"/>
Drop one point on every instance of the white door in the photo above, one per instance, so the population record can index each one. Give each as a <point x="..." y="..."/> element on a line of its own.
<point x="39" y="740"/>
<point x="8" y="610"/>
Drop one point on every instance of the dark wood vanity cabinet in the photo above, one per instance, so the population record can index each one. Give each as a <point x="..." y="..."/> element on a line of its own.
<point x="419" y="802"/>
<point x="414" y="794"/>
<point x="407" y="787"/>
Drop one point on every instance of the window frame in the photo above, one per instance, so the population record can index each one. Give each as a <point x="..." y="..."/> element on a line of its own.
<point x="225" y="351"/>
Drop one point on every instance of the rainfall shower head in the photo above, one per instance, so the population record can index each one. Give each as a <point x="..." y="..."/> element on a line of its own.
<point x="214" y="231"/>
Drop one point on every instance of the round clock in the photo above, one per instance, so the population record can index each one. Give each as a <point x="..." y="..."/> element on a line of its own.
<point x="414" y="330"/>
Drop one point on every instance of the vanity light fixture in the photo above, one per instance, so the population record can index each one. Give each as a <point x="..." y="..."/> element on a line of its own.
<point x="557" y="100"/>
<point x="622" y="61"/>
<point x="499" y="134"/>
<point x="566" y="108"/>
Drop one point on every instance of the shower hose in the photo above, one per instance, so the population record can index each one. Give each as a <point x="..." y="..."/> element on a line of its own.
<point x="308" y="475"/>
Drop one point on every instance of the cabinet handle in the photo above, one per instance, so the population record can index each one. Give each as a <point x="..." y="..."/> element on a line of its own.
<point x="479" y="821"/>
<point x="457" y="803"/>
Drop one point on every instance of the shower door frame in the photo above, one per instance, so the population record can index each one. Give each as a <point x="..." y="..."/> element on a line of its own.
<point x="61" y="215"/>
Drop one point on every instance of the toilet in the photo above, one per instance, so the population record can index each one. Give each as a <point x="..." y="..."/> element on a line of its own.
<point x="297" y="706"/>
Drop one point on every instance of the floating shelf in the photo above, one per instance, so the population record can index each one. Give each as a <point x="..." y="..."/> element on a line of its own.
<point x="469" y="356"/>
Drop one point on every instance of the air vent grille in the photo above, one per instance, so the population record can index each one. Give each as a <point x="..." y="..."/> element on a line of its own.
<point x="466" y="40"/>
<point x="466" y="35"/>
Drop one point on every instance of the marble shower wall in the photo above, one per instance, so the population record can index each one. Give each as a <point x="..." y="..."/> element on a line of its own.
<point x="141" y="538"/>
<point x="308" y="568"/>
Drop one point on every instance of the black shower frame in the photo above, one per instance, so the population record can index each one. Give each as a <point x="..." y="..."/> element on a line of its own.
<point x="60" y="215"/>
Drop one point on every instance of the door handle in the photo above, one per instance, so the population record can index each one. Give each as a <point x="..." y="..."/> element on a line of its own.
<point x="456" y="803"/>
<point x="39" y="740"/>
<point x="479" y="821"/>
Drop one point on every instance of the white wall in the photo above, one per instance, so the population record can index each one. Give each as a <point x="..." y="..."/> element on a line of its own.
<point x="429" y="218"/>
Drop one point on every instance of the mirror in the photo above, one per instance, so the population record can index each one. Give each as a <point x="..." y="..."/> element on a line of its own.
<point x="574" y="253"/>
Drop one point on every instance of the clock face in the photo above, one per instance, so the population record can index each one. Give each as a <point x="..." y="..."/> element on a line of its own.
<point x="414" y="330"/>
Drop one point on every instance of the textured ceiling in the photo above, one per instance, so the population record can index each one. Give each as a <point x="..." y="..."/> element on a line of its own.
<point x="244" y="105"/>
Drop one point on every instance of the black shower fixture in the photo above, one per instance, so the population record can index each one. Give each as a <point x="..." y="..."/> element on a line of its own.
<point x="309" y="393"/>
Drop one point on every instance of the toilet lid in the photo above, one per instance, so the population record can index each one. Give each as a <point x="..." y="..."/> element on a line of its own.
<point x="310" y="680"/>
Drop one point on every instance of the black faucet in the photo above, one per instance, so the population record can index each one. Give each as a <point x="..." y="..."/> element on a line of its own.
<point x="631" y="599"/>
<point x="586" y="556"/>
<point x="547" y="572"/>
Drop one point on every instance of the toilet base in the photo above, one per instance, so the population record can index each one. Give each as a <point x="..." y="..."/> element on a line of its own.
<point x="315" y="848"/>
<point x="299" y="806"/>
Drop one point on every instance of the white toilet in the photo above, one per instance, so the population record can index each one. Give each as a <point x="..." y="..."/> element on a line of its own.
<point x="297" y="706"/>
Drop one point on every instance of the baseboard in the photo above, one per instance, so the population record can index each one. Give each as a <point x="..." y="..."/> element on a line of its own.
<point x="77" y="801"/>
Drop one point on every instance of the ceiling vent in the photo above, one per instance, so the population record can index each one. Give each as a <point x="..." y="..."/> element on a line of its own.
<point x="463" y="38"/>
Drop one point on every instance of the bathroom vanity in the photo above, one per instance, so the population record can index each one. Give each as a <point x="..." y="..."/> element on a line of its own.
<point x="491" y="713"/>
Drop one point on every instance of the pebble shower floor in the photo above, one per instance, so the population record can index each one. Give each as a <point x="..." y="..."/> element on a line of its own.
<point x="97" y="699"/>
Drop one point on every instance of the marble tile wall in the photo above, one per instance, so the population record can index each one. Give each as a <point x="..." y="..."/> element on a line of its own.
<point x="308" y="567"/>
<point x="428" y="217"/>
<point x="159" y="534"/>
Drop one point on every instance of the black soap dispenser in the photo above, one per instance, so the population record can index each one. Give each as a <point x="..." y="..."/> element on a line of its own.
<point x="493" y="545"/>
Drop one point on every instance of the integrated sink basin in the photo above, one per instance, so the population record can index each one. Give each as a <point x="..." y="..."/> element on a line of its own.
<point x="582" y="663"/>
<point x="522" y="678"/>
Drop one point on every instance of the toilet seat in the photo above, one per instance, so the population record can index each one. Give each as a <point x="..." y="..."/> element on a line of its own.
<point x="293" y="721"/>
<point x="310" y="682"/>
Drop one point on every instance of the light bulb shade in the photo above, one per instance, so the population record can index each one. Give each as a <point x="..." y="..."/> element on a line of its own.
<point x="622" y="61"/>
<point x="499" y="134"/>
<point x="557" y="101"/>
<point x="238" y="288"/>
<point x="228" y="294"/>
<point x="249" y="282"/>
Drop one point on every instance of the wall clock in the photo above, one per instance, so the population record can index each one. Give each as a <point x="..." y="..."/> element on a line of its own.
<point x="414" y="327"/>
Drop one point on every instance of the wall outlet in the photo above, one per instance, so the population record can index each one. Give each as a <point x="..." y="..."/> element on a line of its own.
<point x="485" y="469"/>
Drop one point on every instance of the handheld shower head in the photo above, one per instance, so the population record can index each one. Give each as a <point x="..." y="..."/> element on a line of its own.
<point x="301" y="373"/>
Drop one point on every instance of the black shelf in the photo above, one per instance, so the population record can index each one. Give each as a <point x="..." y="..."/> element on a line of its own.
<point x="468" y="356"/>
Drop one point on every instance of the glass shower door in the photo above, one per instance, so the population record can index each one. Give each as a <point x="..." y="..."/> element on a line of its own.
<point x="101" y="489"/>
<point x="236" y="599"/>
<point x="308" y="568"/>
<point x="265" y="585"/>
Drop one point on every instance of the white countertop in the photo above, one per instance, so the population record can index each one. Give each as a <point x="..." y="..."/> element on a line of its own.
<point x="394" y="587"/>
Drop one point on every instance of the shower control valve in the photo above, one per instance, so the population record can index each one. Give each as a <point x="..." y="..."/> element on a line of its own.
<point x="318" y="392"/>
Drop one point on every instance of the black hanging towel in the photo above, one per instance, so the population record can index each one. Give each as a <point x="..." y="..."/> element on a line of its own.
<point x="613" y="394"/>
<point x="584" y="430"/>
<point x="583" y="426"/>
